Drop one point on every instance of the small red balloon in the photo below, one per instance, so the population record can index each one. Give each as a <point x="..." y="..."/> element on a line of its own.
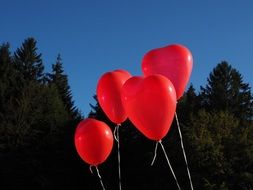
<point x="150" y="104"/>
<point x="173" y="61"/>
<point x="93" y="141"/>
<point x="109" y="92"/>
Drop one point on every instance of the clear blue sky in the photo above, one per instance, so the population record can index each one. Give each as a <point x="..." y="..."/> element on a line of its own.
<point x="95" y="37"/>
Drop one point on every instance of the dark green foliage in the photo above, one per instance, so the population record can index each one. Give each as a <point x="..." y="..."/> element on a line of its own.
<point x="28" y="61"/>
<point x="9" y="91"/>
<point x="212" y="137"/>
<point x="60" y="80"/>
<point x="226" y="91"/>
<point x="217" y="126"/>
<point x="220" y="150"/>
<point x="5" y="72"/>
<point x="36" y="129"/>
<point x="188" y="105"/>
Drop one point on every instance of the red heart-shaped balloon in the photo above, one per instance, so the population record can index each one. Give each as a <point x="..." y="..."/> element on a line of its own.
<point x="150" y="104"/>
<point x="109" y="94"/>
<point x="173" y="61"/>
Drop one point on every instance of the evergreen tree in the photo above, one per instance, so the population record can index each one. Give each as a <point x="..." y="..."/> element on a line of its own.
<point x="5" y="70"/>
<point x="35" y="130"/>
<point x="5" y="56"/>
<point x="226" y="91"/>
<point x="188" y="105"/>
<point x="5" y="60"/>
<point x="60" y="80"/>
<point x="218" y="128"/>
<point x="220" y="152"/>
<point x="28" y="61"/>
<point x="9" y="89"/>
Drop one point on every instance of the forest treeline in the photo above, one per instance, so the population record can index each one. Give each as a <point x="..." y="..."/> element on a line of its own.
<point x="38" y="120"/>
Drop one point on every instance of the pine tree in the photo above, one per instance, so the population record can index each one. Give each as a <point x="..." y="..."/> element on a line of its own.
<point x="35" y="127"/>
<point x="226" y="91"/>
<point x="5" y="56"/>
<point x="212" y="138"/>
<point x="188" y="105"/>
<point x="9" y="89"/>
<point x="5" y="64"/>
<point x="219" y="131"/>
<point x="60" y="80"/>
<point x="28" y="61"/>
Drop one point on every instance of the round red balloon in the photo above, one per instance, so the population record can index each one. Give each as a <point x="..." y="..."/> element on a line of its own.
<point x="173" y="61"/>
<point x="109" y="92"/>
<point x="150" y="104"/>
<point x="93" y="141"/>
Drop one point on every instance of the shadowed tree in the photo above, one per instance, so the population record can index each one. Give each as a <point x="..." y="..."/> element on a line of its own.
<point x="28" y="61"/>
<point x="60" y="80"/>
<point x="5" y="71"/>
<point x="35" y="135"/>
<point x="226" y="91"/>
<point x="218" y="129"/>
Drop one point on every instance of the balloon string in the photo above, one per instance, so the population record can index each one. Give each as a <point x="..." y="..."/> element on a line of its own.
<point x="100" y="178"/>
<point x="91" y="169"/>
<point x="182" y="145"/>
<point x="115" y="132"/>
<point x="116" y="136"/>
<point x="165" y="154"/>
<point x="155" y="152"/>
